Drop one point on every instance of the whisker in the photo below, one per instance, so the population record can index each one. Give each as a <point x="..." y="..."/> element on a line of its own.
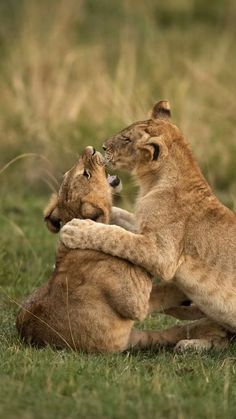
<point x="38" y="318"/>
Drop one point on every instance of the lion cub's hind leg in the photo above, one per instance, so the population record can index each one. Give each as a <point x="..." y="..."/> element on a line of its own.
<point x="198" y="335"/>
<point x="164" y="297"/>
<point x="153" y="339"/>
<point x="200" y="345"/>
<point x="168" y="299"/>
<point x="191" y="312"/>
<point x="204" y="335"/>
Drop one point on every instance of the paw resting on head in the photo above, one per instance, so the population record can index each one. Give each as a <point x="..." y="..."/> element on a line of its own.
<point x="75" y="233"/>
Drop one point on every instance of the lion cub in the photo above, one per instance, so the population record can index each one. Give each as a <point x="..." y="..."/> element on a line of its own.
<point x="92" y="299"/>
<point x="183" y="234"/>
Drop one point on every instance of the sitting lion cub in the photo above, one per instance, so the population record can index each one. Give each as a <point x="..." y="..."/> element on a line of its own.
<point x="183" y="234"/>
<point x="92" y="299"/>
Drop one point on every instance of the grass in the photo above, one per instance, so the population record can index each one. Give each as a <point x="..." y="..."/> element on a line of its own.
<point x="73" y="72"/>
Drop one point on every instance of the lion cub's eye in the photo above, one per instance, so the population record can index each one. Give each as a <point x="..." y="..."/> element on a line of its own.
<point x="87" y="173"/>
<point x="126" y="139"/>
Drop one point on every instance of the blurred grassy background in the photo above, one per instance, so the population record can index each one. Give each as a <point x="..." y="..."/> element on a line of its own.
<point x="73" y="72"/>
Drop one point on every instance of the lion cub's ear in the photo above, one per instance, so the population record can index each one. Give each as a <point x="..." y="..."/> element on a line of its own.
<point x="154" y="148"/>
<point x="161" y="110"/>
<point x="51" y="215"/>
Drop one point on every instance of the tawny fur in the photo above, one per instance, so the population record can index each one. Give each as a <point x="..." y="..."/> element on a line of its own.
<point x="183" y="234"/>
<point x="92" y="299"/>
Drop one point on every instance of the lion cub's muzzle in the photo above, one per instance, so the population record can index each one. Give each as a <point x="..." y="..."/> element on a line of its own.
<point x="89" y="151"/>
<point x="109" y="158"/>
<point x="92" y="157"/>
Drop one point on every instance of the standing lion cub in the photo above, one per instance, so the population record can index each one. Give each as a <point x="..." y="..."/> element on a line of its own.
<point x="183" y="234"/>
<point x="92" y="299"/>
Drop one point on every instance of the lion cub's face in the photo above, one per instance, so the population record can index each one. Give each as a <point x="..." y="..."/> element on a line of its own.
<point x="143" y="142"/>
<point x="85" y="192"/>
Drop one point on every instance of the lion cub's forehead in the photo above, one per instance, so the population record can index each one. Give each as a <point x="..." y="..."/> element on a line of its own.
<point x="149" y="126"/>
<point x="135" y="127"/>
<point x="71" y="182"/>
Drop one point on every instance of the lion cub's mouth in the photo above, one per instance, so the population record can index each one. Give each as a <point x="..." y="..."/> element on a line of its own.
<point x="115" y="182"/>
<point x="109" y="161"/>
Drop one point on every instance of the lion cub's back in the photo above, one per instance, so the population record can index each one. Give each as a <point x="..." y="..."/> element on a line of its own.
<point x="111" y="295"/>
<point x="90" y="303"/>
<point x="101" y="273"/>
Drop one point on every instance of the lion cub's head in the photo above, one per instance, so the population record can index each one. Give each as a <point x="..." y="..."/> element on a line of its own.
<point x="85" y="192"/>
<point x="144" y="143"/>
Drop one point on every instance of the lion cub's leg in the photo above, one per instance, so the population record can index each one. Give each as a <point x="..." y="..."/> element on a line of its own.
<point x="201" y="333"/>
<point x="164" y="297"/>
<point x="204" y="335"/>
<point x="123" y="218"/>
<point x="147" y="339"/>
<point x="141" y="250"/>
<point x="167" y="299"/>
<point x="185" y="313"/>
<point x="199" y="345"/>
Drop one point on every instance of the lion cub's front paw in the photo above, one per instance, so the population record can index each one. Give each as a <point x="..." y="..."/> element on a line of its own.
<point x="73" y="234"/>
